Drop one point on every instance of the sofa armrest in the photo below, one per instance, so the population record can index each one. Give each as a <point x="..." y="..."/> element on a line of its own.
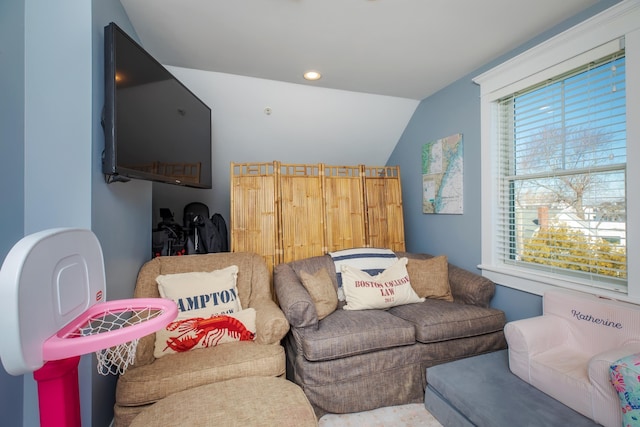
<point x="271" y="324"/>
<point x="536" y="334"/>
<point x="294" y="300"/>
<point x="470" y="288"/>
<point x="605" y="401"/>
<point x="528" y="337"/>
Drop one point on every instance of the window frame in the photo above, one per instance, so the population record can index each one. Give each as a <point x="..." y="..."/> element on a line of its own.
<point x="574" y="47"/>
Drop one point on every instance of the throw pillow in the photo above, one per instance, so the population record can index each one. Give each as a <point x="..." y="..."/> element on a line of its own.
<point x="198" y="295"/>
<point x="430" y="277"/>
<point x="202" y="293"/>
<point x="191" y="333"/>
<point x="387" y="289"/>
<point x="322" y="292"/>
<point x="370" y="260"/>
<point x="624" y="377"/>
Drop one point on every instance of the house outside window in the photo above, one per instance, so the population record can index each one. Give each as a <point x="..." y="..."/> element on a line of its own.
<point x="561" y="159"/>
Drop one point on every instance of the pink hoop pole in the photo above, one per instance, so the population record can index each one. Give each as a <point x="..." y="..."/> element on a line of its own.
<point x="58" y="393"/>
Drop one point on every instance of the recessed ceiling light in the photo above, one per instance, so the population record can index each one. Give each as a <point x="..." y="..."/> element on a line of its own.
<point x="312" y="75"/>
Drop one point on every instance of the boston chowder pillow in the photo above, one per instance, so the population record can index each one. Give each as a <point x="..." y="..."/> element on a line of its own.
<point x="387" y="289"/>
<point x="209" y="311"/>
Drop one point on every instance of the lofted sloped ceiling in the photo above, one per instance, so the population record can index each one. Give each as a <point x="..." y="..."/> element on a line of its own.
<point x="402" y="48"/>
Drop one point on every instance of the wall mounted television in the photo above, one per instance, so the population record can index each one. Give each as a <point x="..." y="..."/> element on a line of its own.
<point x="155" y="128"/>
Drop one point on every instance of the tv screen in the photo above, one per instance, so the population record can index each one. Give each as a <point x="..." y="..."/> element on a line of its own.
<point x="155" y="128"/>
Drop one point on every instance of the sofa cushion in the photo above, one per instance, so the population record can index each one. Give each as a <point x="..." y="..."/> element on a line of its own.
<point x="481" y="391"/>
<point x="430" y="277"/>
<point x="323" y="294"/>
<point x="250" y="401"/>
<point x="370" y="260"/>
<point x="347" y="333"/>
<point x="438" y="320"/>
<point x="176" y="372"/>
<point x="199" y="296"/>
<point x="200" y="292"/>
<point x="191" y="333"/>
<point x="387" y="289"/>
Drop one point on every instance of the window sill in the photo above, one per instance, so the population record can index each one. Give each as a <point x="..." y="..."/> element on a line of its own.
<point x="537" y="284"/>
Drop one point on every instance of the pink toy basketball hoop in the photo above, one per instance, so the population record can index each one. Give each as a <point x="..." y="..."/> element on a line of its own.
<point x="111" y="329"/>
<point x="54" y="285"/>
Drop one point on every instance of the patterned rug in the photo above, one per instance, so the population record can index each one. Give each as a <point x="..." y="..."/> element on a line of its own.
<point x="412" y="415"/>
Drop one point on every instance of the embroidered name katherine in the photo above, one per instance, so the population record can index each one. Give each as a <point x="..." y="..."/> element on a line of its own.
<point x="589" y="318"/>
<point x="197" y="302"/>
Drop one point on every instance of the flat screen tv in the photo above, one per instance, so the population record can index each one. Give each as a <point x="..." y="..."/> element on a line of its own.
<point x="155" y="128"/>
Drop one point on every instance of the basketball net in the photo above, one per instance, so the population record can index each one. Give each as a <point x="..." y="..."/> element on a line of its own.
<point x="115" y="360"/>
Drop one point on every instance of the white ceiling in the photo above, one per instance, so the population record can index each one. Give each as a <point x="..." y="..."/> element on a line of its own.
<point x="404" y="48"/>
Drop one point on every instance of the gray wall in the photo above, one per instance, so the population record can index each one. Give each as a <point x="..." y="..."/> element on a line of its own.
<point x="456" y="109"/>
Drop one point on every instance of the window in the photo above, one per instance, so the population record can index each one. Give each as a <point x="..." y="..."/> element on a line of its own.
<point x="562" y="174"/>
<point x="559" y="160"/>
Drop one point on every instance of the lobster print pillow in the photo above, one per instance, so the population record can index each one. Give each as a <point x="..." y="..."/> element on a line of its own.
<point x="209" y="311"/>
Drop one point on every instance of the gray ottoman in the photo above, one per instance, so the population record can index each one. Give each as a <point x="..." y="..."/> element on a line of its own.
<point x="482" y="391"/>
<point x="241" y="402"/>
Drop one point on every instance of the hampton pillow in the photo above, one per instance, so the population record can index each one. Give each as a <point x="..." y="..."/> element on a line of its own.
<point x="322" y="292"/>
<point x="430" y="277"/>
<point x="369" y="260"/>
<point x="198" y="295"/>
<point x="387" y="289"/>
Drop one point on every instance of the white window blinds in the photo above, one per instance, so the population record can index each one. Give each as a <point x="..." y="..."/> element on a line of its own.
<point x="562" y="175"/>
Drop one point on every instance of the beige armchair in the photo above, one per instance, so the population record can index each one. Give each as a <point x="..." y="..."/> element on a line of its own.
<point x="149" y="379"/>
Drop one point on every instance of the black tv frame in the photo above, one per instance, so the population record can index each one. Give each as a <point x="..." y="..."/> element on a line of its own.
<point x="111" y="168"/>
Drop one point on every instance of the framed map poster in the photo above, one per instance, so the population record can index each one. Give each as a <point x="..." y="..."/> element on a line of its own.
<point x="442" y="173"/>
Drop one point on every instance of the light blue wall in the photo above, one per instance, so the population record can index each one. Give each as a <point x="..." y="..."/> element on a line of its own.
<point x="52" y="172"/>
<point x="57" y="114"/>
<point x="456" y="109"/>
<point x="51" y="62"/>
<point x="11" y="167"/>
<point x="120" y="212"/>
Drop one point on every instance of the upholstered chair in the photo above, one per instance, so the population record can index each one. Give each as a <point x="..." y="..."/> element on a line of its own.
<point x="152" y="378"/>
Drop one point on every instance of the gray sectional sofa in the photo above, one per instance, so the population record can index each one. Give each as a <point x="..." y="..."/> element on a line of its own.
<point x="351" y="361"/>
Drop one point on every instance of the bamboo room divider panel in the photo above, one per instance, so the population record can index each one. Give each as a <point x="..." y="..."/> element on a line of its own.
<point x="383" y="199"/>
<point x="345" y="208"/>
<point x="254" y="219"/>
<point x="286" y="212"/>
<point x="301" y="211"/>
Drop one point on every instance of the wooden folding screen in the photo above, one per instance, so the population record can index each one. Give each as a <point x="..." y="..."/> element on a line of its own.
<point x="345" y="208"/>
<point x="254" y="217"/>
<point x="302" y="220"/>
<point x="287" y="212"/>
<point x="383" y="199"/>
